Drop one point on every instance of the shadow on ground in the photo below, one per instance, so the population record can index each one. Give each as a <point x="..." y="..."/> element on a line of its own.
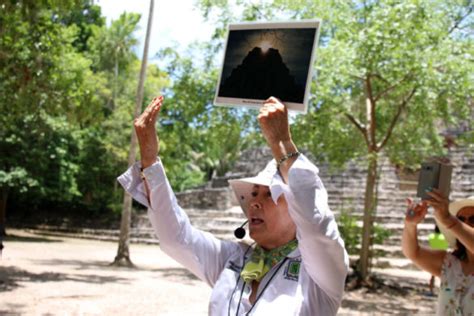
<point x="82" y="264"/>
<point x="386" y="295"/>
<point x="181" y="275"/>
<point x="12" y="277"/>
<point x="8" y="308"/>
<point x="386" y="304"/>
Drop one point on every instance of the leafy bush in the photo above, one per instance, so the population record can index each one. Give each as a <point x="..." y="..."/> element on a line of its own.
<point x="351" y="232"/>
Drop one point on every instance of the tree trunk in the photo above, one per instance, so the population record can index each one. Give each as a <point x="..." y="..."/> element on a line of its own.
<point x="116" y="74"/>
<point x="369" y="211"/>
<point x="123" y="253"/>
<point x="3" y="212"/>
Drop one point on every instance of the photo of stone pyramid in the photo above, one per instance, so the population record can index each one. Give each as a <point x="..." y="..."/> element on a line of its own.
<point x="263" y="63"/>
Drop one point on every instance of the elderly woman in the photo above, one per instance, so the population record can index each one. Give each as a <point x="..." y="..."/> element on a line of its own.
<point x="455" y="269"/>
<point x="298" y="263"/>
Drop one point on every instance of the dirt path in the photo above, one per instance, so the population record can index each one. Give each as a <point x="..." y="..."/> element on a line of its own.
<point x="42" y="275"/>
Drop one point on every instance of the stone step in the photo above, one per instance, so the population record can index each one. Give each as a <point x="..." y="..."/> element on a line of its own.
<point x="386" y="251"/>
<point x="235" y="211"/>
<point x="398" y="227"/>
<point x="230" y="219"/>
<point x="386" y="218"/>
<point x="84" y="231"/>
<point x="396" y="240"/>
<point x="394" y="222"/>
<point x="224" y="227"/>
<point x="389" y="251"/>
<point x="143" y="232"/>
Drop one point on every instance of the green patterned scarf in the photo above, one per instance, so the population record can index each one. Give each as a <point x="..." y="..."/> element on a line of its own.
<point x="263" y="260"/>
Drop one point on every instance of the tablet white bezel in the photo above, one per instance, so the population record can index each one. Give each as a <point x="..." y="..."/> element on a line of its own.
<point x="255" y="103"/>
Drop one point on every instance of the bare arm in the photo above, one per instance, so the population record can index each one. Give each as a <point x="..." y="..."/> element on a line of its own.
<point x="147" y="138"/>
<point x="425" y="258"/>
<point x="273" y="120"/>
<point x="461" y="231"/>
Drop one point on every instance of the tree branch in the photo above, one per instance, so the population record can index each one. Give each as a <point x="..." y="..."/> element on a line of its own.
<point x="359" y="126"/>
<point x="357" y="77"/>
<point x="384" y="92"/>
<point x="461" y="18"/>
<point x="380" y="77"/>
<point x="400" y="109"/>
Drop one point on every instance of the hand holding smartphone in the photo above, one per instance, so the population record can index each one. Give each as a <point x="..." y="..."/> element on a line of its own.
<point x="434" y="175"/>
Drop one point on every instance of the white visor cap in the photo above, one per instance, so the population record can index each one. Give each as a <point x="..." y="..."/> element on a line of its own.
<point x="243" y="187"/>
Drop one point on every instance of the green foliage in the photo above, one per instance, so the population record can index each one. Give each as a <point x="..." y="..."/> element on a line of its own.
<point x="86" y="17"/>
<point x="197" y="139"/>
<point x="45" y="95"/>
<point x="111" y="46"/>
<point x="387" y="52"/>
<point x="62" y="139"/>
<point x="39" y="153"/>
<point x="351" y="232"/>
<point x="17" y="177"/>
<point x="380" y="234"/>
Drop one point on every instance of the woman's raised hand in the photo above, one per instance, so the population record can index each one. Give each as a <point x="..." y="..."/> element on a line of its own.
<point x="440" y="203"/>
<point x="415" y="212"/>
<point x="273" y="119"/>
<point x="146" y="132"/>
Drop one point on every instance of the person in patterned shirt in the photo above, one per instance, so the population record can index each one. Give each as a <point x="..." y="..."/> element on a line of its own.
<point x="456" y="268"/>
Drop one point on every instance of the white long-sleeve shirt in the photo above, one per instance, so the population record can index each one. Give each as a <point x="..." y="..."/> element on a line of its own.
<point x="309" y="281"/>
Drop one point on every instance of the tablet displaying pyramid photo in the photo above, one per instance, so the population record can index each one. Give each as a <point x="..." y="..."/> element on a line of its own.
<point x="268" y="59"/>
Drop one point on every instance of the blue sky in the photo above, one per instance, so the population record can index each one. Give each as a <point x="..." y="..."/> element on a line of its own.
<point x="175" y="22"/>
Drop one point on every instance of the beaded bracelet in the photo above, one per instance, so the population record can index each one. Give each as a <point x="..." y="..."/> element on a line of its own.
<point x="286" y="157"/>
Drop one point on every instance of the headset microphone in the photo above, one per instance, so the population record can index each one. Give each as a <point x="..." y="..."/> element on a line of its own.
<point x="240" y="232"/>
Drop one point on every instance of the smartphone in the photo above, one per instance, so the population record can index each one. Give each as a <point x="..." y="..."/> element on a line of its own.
<point x="434" y="175"/>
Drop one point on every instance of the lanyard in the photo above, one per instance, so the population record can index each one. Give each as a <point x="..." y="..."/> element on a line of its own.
<point x="261" y="292"/>
<point x="237" y="283"/>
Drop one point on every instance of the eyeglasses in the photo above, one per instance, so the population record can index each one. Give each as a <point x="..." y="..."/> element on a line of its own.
<point x="469" y="220"/>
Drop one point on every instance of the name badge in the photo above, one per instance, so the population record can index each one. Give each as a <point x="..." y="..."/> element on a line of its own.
<point x="292" y="270"/>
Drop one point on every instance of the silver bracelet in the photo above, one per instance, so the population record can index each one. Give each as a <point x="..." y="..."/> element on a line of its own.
<point x="286" y="157"/>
